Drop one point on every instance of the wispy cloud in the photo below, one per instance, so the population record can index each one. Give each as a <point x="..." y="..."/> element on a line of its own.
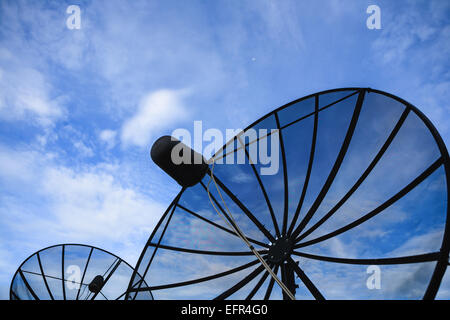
<point x="416" y="43"/>
<point x="26" y="94"/>
<point x="108" y="137"/>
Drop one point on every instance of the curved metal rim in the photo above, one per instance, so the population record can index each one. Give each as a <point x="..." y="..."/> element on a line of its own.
<point x="61" y="245"/>
<point x="442" y="261"/>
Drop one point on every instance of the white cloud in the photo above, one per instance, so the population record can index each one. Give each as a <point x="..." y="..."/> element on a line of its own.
<point x="156" y="111"/>
<point x="18" y="166"/>
<point x="25" y="93"/>
<point x="427" y="242"/>
<point x="93" y="204"/>
<point x="108" y="137"/>
<point x="84" y="151"/>
<point x="241" y="177"/>
<point x="89" y="202"/>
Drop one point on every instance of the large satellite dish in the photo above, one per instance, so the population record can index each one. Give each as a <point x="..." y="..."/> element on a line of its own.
<point x="357" y="210"/>
<point x="72" y="272"/>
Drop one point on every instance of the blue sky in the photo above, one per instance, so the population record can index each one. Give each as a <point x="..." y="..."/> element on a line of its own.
<point x="79" y="109"/>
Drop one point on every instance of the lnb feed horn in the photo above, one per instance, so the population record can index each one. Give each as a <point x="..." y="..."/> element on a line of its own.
<point x="184" y="165"/>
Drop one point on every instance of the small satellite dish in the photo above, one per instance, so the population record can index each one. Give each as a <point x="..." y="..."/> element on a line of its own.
<point x="72" y="272"/>
<point x="343" y="195"/>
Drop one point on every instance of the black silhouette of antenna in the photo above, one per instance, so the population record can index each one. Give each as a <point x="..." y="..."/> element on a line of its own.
<point x="358" y="169"/>
<point x="72" y="272"/>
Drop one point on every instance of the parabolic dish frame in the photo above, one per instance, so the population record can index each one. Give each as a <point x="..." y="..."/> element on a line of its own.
<point x="47" y="283"/>
<point x="294" y="228"/>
